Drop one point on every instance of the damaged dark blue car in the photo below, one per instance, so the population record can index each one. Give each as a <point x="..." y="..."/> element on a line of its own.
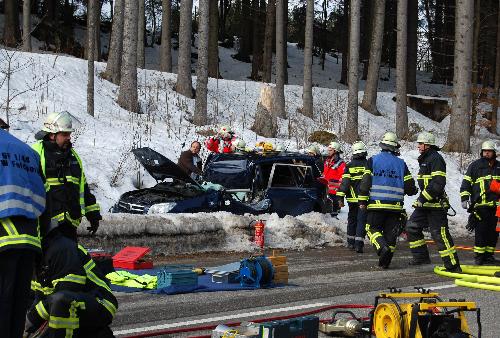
<point x="284" y="183"/>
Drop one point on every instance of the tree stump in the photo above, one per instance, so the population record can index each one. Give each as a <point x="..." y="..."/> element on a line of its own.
<point x="266" y="123"/>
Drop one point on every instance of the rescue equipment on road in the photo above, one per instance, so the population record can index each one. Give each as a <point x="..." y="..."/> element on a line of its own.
<point x="132" y="258"/>
<point x="473" y="276"/>
<point x="256" y="272"/>
<point x="429" y="316"/>
<point x="280" y="268"/>
<point x="343" y="327"/>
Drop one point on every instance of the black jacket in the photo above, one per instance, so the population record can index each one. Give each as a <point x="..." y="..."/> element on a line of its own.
<point x="476" y="183"/>
<point x="432" y="179"/>
<point x="63" y="174"/>
<point x="351" y="178"/>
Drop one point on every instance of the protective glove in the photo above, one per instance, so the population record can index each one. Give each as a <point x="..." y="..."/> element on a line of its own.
<point x="472" y="222"/>
<point x="417" y="204"/>
<point x="341" y="203"/>
<point x="465" y="204"/>
<point x="94" y="225"/>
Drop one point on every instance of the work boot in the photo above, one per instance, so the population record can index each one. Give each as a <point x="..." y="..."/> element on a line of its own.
<point x="419" y="261"/>
<point x="479" y="259"/>
<point x="455" y="268"/>
<point x="350" y="246"/>
<point x="359" y="248"/>
<point x="490" y="260"/>
<point x="385" y="257"/>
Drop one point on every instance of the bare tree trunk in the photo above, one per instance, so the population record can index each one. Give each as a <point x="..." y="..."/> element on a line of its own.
<point x="401" y="55"/>
<point x="267" y="66"/>
<point x="91" y="20"/>
<point x="184" y="82"/>
<point x="213" y="41"/>
<point x="307" y="98"/>
<point x="11" y="32"/>
<point x="27" y="25"/>
<point x="459" y="130"/>
<point x="411" y="74"/>
<point x="166" y="37"/>
<point x="285" y="40"/>
<point x="113" y="67"/>
<point x="351" y="128"/>
<point x="141" y="26"/>
<point x="496" y="96"/>
<point x="279" y="102"/>
<point x="266" y="123"/>
<point x="475" y="48"/>
<point x="127" y="97"/>
<point x="345" y="43"/>
<point x="369" y="102"/>
<point x="200" y="107"/>
<point x="256" y="41"/>
<point x="97" y="33"/>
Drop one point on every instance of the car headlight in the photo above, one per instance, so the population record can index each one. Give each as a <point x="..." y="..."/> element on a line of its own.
<point x="161" y="208"/>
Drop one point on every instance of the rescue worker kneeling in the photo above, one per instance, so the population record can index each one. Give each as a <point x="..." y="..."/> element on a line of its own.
<point x="382" y="189"/>
<point x="71" y="293"/>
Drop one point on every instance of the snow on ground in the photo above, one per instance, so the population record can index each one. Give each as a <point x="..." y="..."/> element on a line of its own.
<point x="105" y="140"/>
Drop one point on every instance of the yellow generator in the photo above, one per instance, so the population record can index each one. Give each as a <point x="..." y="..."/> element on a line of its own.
<point x="427" y="316"/>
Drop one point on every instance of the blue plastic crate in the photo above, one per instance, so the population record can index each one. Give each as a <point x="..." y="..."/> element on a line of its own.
<point x="303" y="327"/>
<point x="176" y="275"/>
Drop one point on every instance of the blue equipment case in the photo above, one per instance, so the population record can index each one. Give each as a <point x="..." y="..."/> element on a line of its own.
<point x="304" y="327"/>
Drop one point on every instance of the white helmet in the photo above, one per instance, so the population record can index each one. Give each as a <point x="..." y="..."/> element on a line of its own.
<point x="390" y="139"/>
<point x="488" y="145"/>
<point x="58" y="122"/>
<point x="358" y="148"/>
<point x="225" y="131"/>
<point x="313" y="149"/>
<point x="239" y="144"/>
<point x="426" y="138"/>
<point x="335" y="145"/>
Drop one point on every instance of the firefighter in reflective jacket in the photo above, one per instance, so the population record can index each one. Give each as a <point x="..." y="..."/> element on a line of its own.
<point x="382" y="189"/>
<point x="68" y="195"/>
<point x="71" y="293"/>
<point x="332" y="171"/>
<point x="349" y="188"/>
<point x="431" y="207"/>
<point x="480" y="201"/>
<point x="22" y="200"/>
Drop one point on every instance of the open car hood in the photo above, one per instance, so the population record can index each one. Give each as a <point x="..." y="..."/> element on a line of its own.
<point x="160" y="167"/>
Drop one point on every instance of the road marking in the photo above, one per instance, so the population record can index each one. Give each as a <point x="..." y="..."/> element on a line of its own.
<point x="446" y="286"/>
<point x="219" y="319"/>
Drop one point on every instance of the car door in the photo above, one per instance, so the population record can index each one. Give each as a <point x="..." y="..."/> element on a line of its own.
<point x="291" y="189"/>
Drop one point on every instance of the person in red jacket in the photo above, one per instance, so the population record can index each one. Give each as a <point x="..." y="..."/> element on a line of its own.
<point x="333" y="170"/>
<point x="221" y="143"/>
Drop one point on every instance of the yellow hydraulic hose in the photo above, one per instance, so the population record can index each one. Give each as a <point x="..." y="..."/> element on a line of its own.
<point x="479" y="277"/>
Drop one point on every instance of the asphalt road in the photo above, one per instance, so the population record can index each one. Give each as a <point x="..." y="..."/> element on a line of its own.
<point x="317" y="277"/>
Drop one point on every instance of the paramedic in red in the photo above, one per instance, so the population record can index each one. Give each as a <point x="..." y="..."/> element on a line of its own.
<point x="332" y="172"/>
<point x="221" y="143"/>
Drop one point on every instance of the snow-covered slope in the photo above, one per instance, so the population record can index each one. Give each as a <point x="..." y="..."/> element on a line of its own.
<point x="105" y="140"/>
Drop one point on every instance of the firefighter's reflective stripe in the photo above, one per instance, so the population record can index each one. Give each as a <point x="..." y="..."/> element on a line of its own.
<point x="92" y="276"/>
<point x="93" y="207"/>
<point x="65" y="216"/>
<point x="489" y="249"/>
<point x="21" y="201"/>
<point x="42" y="312"/>
<point x="416" y="244"/>
<point x="9" y="227"/>
<point x="20" y="240"/>
<point x="80" y="181"/>
<point x="373" y="236"/>
<point x="70" y="278"/>
<point x="35" y="286"/>
<point x="479" y="249"/>
<point x="64" y="323"/>
<point x="386" y="192"/>
<point x="108" y="305"/>
<point x="373" y="205"/>
<point x="450" y="250"/>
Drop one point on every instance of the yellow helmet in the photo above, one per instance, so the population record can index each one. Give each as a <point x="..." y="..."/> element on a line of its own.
<point x="268" y="146"/>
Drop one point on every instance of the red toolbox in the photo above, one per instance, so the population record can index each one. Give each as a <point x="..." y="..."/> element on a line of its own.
<point x="132" y="258"/>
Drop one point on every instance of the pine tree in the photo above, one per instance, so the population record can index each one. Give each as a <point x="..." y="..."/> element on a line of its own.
<point x="307" y="97"/>
<point x="459" y="130"/>
<point x="127" y="97"/>
<point x="351" y="128"/>
<point x="184" y="82"/>
<point x="213" y="41"/>
<point x="113" y="67"/>
<point x="279" y="102"/>
<point x="11" y="32"/>
<point x="166" y="37"/>
<point x="200" y="107"/>
<point x="369" y="102"/>
<point x="91" y="28"/>
<point x="27" y="25"/>
<point x="267" y="64"/>
<point x="401" y="55"/>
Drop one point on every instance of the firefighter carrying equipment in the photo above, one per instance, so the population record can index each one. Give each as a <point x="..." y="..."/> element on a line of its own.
<point x="68" y="195"/>
<point x="428" y="316"/>
<point x="130" y="280"/>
